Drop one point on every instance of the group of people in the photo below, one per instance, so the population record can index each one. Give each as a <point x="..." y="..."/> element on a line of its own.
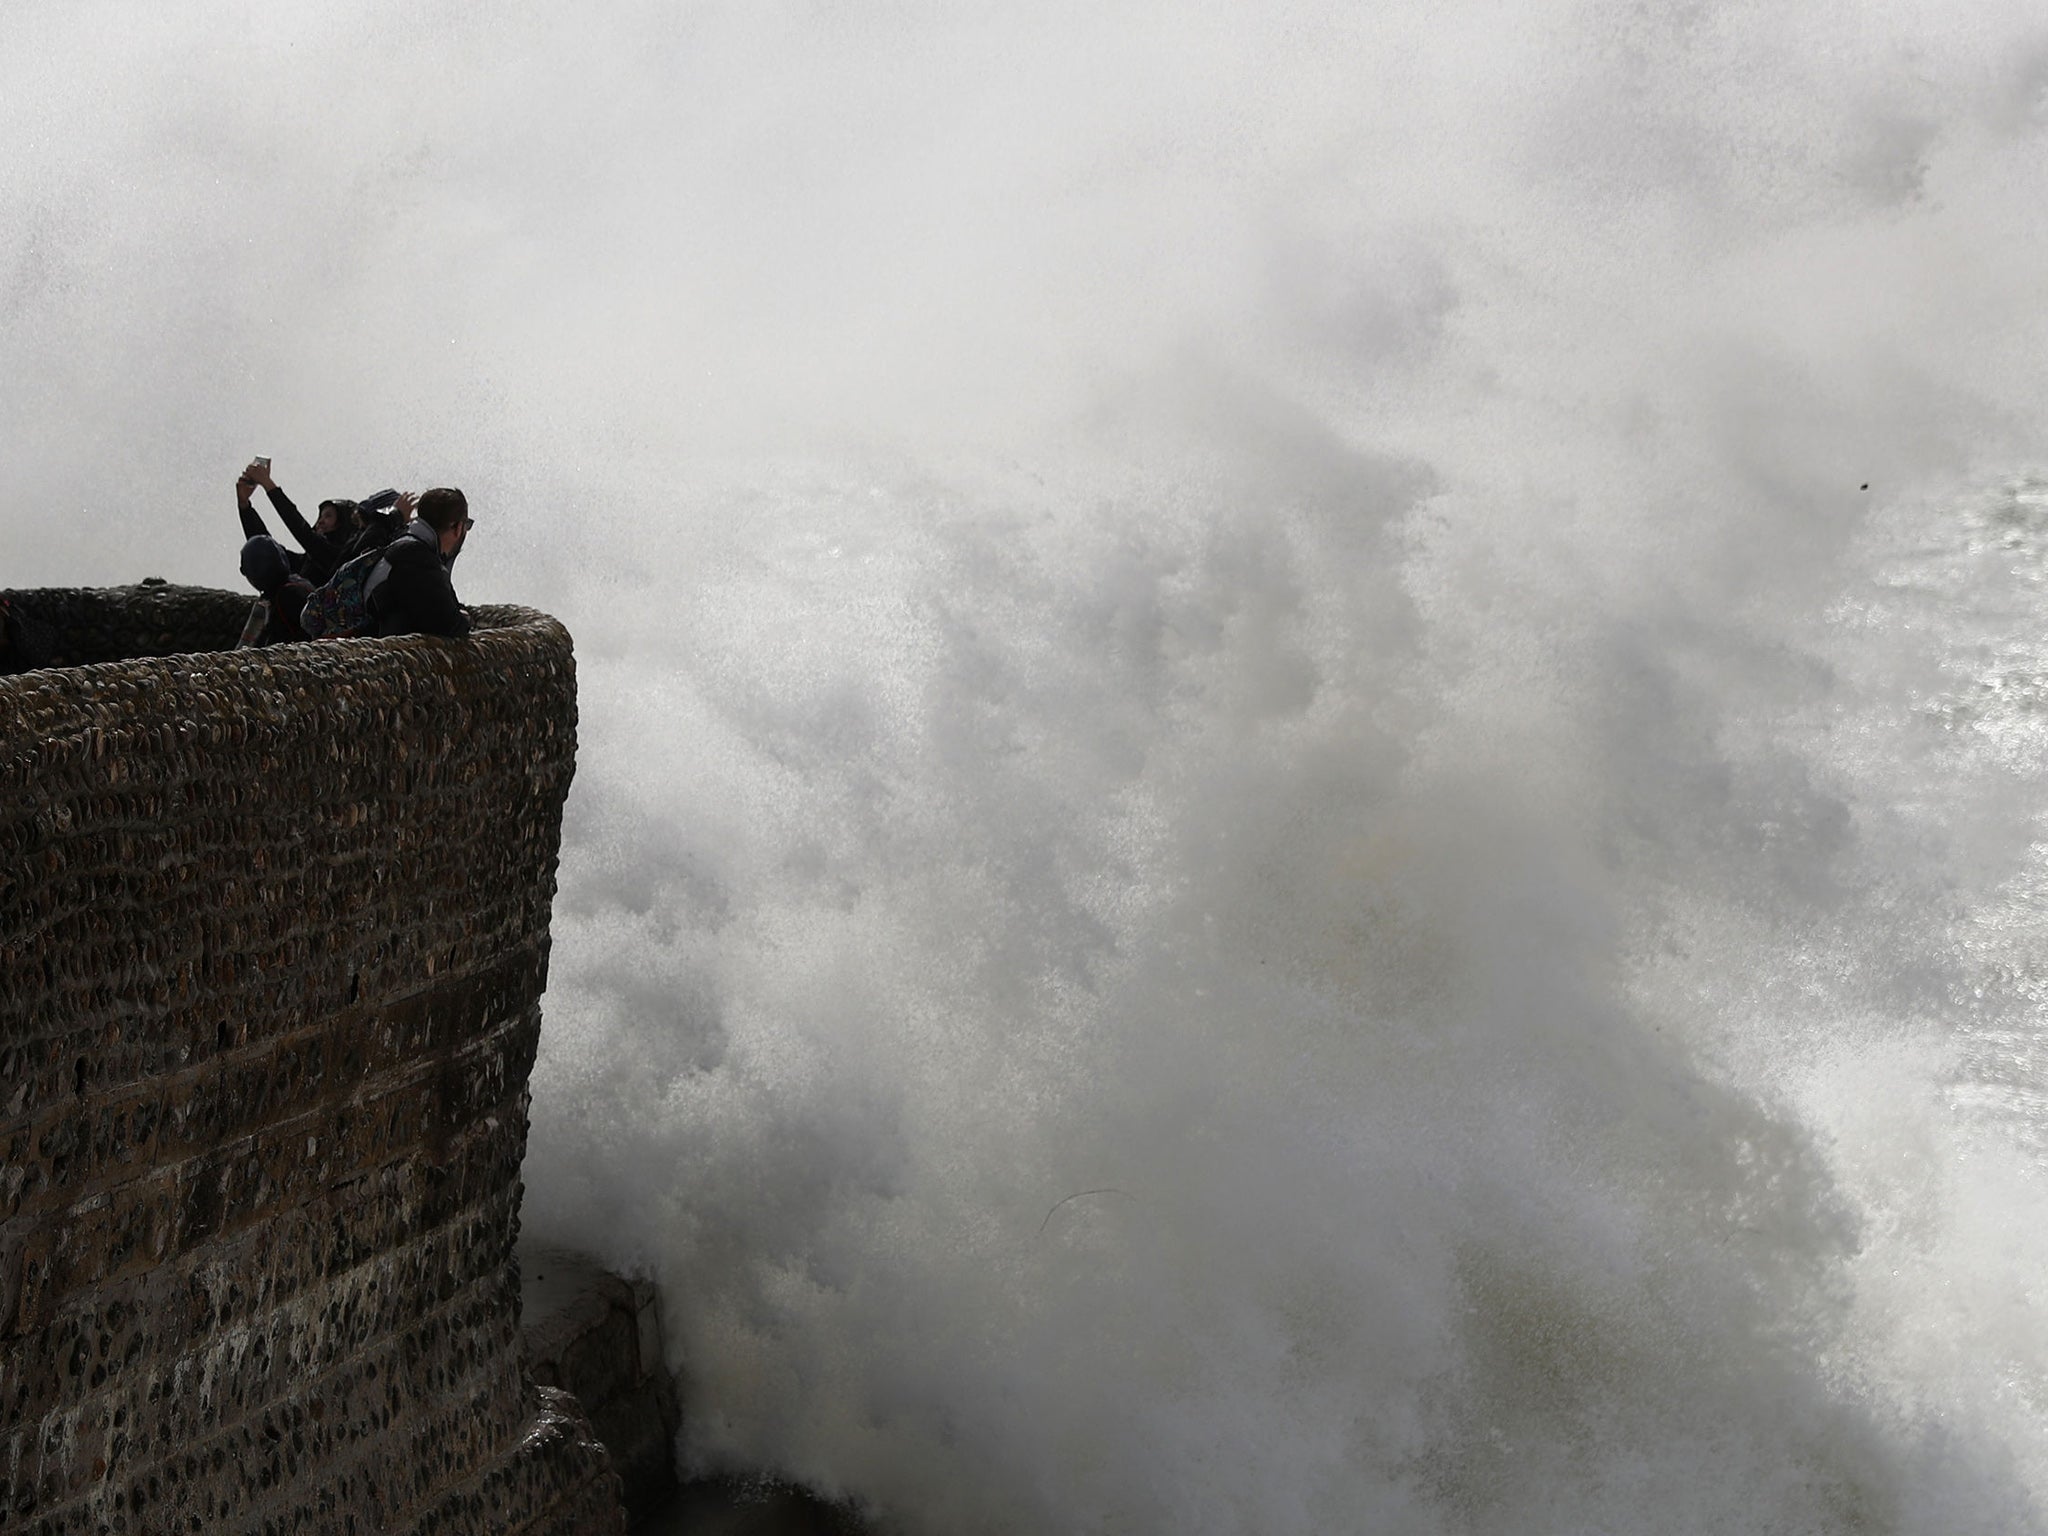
<point x="381" y="567"/>
<point x="393" y="552"/>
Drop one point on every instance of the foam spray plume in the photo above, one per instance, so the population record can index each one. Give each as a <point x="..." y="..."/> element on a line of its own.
<point x="1268" y="837"/>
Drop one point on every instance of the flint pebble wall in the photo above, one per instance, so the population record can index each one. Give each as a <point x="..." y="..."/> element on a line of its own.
<point x="273" y="936"/>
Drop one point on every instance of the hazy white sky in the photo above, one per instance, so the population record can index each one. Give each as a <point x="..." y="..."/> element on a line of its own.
<point x="1225" y="602"/>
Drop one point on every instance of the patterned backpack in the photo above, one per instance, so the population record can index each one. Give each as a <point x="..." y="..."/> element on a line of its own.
<point x="342" y="607"/>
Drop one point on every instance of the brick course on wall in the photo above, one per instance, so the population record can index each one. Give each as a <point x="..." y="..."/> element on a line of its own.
<point x="273" y="935"/>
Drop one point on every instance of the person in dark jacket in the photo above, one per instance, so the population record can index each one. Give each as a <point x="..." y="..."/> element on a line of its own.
<point x="411" y="592"/>
<point x="326" y="540"/>
<point x="267" y="565"/>
<point x="382" y="517"/>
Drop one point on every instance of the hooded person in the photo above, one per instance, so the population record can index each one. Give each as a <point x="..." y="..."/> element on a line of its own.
<point x="380" y="518"/>
<point x="326" y="540"/>
<point x="411" y="592"/>
<point x="274" y="620"/>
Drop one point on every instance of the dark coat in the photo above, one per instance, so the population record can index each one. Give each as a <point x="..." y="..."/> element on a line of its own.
<point x="323" y="555"/>
<point x="379" y="527"/>
<point x="287" y="601"/>
<point x="411" y="593"/>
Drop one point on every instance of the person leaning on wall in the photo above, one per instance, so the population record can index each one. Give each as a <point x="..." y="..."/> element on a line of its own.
<point x="412" y="591"/>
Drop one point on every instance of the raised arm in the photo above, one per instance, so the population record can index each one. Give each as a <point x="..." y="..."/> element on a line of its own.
<point x="311" y="542"/>
<point x="252" y="520"/>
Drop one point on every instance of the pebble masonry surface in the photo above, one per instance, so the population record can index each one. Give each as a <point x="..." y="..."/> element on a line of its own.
<point x="273" y="935"/>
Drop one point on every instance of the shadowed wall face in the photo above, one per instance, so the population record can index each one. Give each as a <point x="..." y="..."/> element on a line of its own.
<point x="273" y="934"/>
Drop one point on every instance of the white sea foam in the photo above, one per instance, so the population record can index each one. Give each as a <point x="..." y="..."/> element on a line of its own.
<point x="1267" y="838"/>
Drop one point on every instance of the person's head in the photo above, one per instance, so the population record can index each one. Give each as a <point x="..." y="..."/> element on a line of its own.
<point x="336" y="518"/>
<point x="445" y="510"/>
<point x="264" y="564"/>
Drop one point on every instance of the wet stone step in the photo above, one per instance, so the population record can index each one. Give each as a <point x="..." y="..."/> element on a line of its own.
<point x="598" y="1336"/>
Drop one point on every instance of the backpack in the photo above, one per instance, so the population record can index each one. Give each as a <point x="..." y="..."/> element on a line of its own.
<point x="342" y="607"/>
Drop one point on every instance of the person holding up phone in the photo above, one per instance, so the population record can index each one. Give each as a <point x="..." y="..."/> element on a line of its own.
<point x="325" y="541"/>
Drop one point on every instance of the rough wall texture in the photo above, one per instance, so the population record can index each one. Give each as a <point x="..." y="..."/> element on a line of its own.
<point x="273" y="934"/>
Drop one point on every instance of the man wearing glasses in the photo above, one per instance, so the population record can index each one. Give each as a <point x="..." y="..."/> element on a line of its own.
<point x="411" y="592"/>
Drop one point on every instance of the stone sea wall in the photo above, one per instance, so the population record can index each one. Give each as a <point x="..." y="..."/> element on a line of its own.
<point x="273" y="935"/>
